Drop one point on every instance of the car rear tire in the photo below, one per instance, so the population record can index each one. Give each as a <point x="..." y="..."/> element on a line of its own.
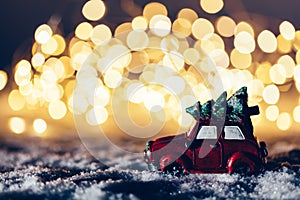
<point x="243" y="169"/>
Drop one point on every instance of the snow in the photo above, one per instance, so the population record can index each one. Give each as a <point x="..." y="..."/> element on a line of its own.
<point x="39" y="169"/>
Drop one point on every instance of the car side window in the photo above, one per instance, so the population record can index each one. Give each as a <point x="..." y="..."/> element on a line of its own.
<point x="207" y="132"/>
<point x="233" y="133"/>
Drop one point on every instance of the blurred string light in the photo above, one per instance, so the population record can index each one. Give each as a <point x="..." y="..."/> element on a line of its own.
<point x="17" y="125"/>
<point x="3" y="79"/>
<point x="139" y="48"/>
<point x="39" y="125"/>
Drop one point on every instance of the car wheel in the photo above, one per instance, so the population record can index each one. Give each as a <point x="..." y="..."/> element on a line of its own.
<point x="242" y="168"/>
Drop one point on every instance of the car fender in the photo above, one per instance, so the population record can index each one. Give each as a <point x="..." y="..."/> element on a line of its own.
<point x="183" y="160"/>
<point x="240" y="157"/>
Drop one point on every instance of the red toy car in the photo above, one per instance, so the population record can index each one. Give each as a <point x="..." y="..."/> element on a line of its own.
<point x="212" y="145"/>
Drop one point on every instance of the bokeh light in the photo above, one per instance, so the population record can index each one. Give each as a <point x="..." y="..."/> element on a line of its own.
<point x="83" y="30"/>
<point x="39" y="125"/>
<point x="202" y="28"/>
<point x="211" y="6"/>
<point x="271" y="94"/>
<point x="244" y="42"/>
<point x="148" y="47"/>
<point x="296" y="114"/>
<point x="17" y="125"/>
<point x="43" y="33"/>
<point x="284" y="121"/>
<point x="154" y="8"/>
<point x="272" y="113"/>
<point x="57" y="109"/>
<point x="287" y="30"/>
<point x="94" y="10"/>
<point x="3" y="79"/>
<point x="267" y="41"/>
<point x="225" y="26"/>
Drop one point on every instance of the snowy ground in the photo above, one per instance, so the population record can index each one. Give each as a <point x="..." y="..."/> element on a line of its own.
<point x="49" y="169"/>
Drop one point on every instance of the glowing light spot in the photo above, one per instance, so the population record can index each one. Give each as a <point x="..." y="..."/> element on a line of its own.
<point x="220" y="58"/>
<point x="112" y="78"/>
<point x="57" y="109"/>
<point x="39" y="125"/>
<point x="244" y="42"/>
<point x="225" y="26"/>
<point x="240" y="60"/>
<point x="43" y="33"/>
<point x="136" y="92"/>
<point x="154" y="8"/>
<point x="138" y="61"/>
<point x="174" y="84"/>
<point x="271" y="94"/>
<point x="188" y="14"/>
<point x="191" y="56"/>
<point x="94" y="10"/>
<point x="243" y="26"/>
<point x="3" y="79"/>
<point x="37" y="60"/>
<point x="187" y="101"/>
<point x="137" y="40"/>
<point x="283" y="45"/>
<point x="278" y="74"/>
<point x="169" y="43"/>
<point x="287" y="30"/>
<point x="160" y="25"/>
<point x="26" y="90"/>
<point x="284" y="121"/>
<point x="118" y="56"/>
<point x="174" y="60"/>
<point x="55" y="65"/>
<point x="96" y="116"/>
<point x="139" y="23"/>
<point x="202" y="29"/>
<point x="297" y="73"/>
<point x="23" y="68"/>
<point x="182" y="27"/>
<point x="263" y="72"/>
<point x="122" y="30"/>
<point x="272" y="113"/>
<point x="83" y="30"/>
<point x="61" y="45"/>
<point x="185" y="120"/>
<point x="101" y="34"/>
<point x="296" y="114"/>
<point x="15" y="100"/>
<point x="17" y="125"/>
<point x="50" y="46"/>
<point x="298" y="57"/>
<point x="255" y="90"/>
<point x="154" y="101"/>
<point x="267" y="41"/>
<point x="100" y="97"/>
<point x="210" y="44"/>
<point x="296" y="41"/>
<point x="288" y="64"/>
<point x="211" y="6"/>
<point x="80" y="47"/>
<point x="68" y="69"/>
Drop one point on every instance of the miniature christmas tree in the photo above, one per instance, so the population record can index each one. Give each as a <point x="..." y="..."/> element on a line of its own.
<point x="235" y="109"/>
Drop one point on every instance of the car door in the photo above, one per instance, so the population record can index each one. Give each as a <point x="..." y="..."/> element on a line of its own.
<point x="207" y="149"/>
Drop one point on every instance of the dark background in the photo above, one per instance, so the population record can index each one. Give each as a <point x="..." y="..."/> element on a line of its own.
<point x="20" y="18"/>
